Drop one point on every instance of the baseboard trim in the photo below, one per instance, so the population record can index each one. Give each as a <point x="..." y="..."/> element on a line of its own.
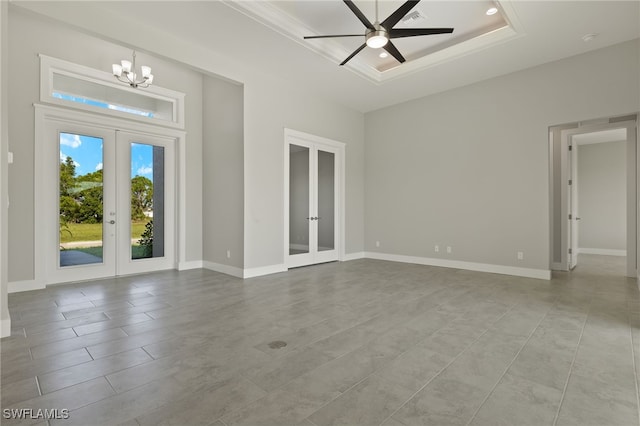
<point x="26" y="285"/>
<point x="542" y="274"/>
<point x="191" y="264"/>
<point x="5" y="327"/>
<point x="224" y="269"/>
<point x="353" y="256"/>
<point x="603" y="252"/>
<point x="264" y="270"/>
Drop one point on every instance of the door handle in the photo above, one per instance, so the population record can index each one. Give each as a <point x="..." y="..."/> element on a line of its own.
<point x="577" y="218"/>
<point x="112" y="222"/>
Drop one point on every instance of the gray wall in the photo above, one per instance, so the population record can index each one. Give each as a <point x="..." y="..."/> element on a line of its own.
<point x="30" y="35"/>
<point x="5" y="321"/>
<point x="223" y="173"/>
<point x="270" y="107"/>
<point x="469" y="167"/>
<point x="602" y="196"/>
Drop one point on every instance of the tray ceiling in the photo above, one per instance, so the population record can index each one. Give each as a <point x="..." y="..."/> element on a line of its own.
<point x="473" y="30"/>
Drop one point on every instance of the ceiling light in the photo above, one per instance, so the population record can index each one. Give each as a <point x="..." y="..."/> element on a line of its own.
<point x="377" y="37"/>
<point x="492" y="11"/>
<point x="126" y="73"/>
<point x="383" y="54"/>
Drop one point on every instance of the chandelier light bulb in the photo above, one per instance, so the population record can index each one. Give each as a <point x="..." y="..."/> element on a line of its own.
<point x="126" y="66"/>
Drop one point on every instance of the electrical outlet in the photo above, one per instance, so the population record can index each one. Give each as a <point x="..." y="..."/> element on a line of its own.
<point x="520" y="255"/>
<point x="228" y="254"/>
<point x="377" y="243"/>
<point x="436" y="248"/>
<point x="449" y="249"/>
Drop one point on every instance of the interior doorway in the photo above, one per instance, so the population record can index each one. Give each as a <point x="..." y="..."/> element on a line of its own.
<point x="589" y="202"/>
<point x="313" y="199"/>
<point x="598" y="194"/>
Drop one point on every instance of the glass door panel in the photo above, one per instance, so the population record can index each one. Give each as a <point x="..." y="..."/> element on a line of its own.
<point x="80" y="199"/>
<point x="326" y="201"/>
<point x="299" y="199"/>
<point x="147" y="201"/>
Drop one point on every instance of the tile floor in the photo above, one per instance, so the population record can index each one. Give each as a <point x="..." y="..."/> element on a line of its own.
<point x="367" y="343"/>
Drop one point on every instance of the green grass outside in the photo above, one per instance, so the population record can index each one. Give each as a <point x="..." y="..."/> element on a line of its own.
<point x="137" y="252"/>
<point x="93" y="231"/>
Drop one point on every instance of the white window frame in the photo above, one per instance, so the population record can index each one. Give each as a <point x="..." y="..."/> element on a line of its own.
<point x="50" y="66"/>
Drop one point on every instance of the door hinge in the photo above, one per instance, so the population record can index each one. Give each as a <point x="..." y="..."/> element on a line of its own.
<point x="570" y="182"/>
<point x="570" y="147"/>
<point x="570" y="251"/>
<point x="569" y="217"/>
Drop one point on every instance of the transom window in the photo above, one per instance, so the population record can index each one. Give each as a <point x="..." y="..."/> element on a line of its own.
<point x="77" y="86"/>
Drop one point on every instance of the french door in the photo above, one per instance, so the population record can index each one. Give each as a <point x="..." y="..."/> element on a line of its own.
<point x="313" y="232"/>
<point x="109" y="202"/>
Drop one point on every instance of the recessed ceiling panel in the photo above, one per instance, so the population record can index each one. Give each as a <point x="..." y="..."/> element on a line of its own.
<point x="473" y="29"/>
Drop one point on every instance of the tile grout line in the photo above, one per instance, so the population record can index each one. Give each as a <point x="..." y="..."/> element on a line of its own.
<point x="575" y="355"/>
<point x="509" y="366"/>
<point x="635" y="366"/>
<point x="368" y="375"/>
<point x="445" y="367"/>
<point x="38" y="386"/>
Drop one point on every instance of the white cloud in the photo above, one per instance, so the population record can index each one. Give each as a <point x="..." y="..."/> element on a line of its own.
<point x="98" y="166"/>
<point x="145" y="170"/>
<point x="63" y="159"/>
<point x="72" y="141"/>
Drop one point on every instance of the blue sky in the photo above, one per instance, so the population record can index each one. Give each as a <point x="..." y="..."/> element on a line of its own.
<point x="86" y="152"/>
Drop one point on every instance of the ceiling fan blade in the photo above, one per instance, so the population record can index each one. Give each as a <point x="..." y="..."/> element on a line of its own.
<point x="328" y="36"/>
<point x="359" y="14"/>
<point x="354" y="53"/>
<point x="389" y="47"/>
<point x="412" y="32"/>
<point x="396" y="16"/>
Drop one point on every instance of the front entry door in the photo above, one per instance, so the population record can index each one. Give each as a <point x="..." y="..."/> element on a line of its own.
<point x="109" y="202"/>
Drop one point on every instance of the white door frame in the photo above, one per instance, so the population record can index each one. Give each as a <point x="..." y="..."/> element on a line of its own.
<point x="568" y="173"/>
<point x="338" y="148"/>
<point x="44" y="113"/>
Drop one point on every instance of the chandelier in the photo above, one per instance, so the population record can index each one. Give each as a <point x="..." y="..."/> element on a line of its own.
<point x="126" y="73"/>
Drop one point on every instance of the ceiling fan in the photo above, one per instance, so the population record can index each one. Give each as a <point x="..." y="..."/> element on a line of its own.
<point x="379" y="35"/>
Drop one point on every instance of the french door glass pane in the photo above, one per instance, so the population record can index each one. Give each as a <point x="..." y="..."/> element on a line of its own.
<point x="147" y="201"/>
<point x="81" y="192"/>
<point x="298" y="199"/>
<point x="326" y="200"/>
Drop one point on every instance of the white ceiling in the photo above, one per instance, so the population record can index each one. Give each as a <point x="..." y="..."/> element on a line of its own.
<point x="546" y="31"/>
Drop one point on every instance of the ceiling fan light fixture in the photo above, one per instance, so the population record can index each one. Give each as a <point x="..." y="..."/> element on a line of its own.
<point x="377" y="39"/>
<point x="383" y="55"/>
